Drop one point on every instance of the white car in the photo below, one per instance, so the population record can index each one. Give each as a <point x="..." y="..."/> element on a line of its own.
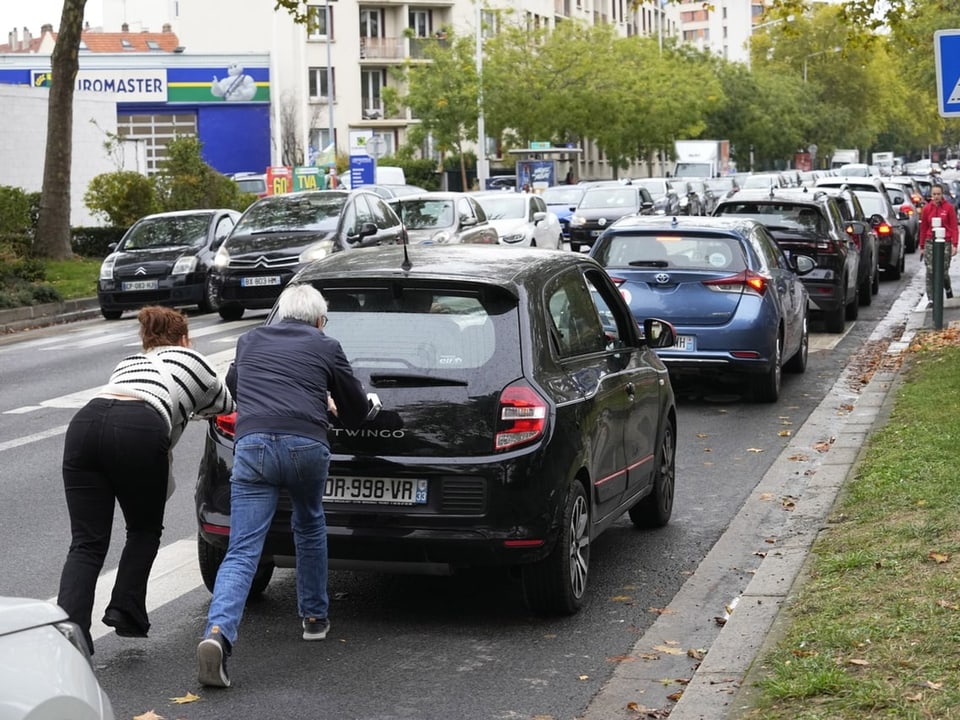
<point x="45" y="670"/>
<point x="521" y="219"/>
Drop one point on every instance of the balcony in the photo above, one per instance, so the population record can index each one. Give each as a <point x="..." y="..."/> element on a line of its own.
<point x="419" y="45"/>
<point x="382" y="49"/>
<point x="561" y="8"/>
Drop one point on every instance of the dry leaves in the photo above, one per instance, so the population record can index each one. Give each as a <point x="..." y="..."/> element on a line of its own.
<point x="947" y="605"/>
<point x="148" y="715"/>
<point x="824" y="445"/>
<point x="755" y="450"/>
<point x="799" y="457"/>
<point x="938" y="557"/>
<point x="784" y="433"/>
<point x="670" y="648"/>
<point x="184" y="699"/>
<point x="788" y="502"/>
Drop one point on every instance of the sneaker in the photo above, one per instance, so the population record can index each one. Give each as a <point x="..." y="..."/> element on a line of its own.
<point x="315" y="628"/>
<point x="212" y="655"/>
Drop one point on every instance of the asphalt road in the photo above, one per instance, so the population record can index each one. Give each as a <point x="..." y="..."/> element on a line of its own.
<point x="401" y="647"/>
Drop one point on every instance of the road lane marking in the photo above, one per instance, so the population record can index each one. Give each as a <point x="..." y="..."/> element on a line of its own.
<point x="52" y="432"/>
<point x="219" y="361"/>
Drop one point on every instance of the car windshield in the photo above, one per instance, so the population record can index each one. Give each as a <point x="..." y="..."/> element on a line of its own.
<point x="413" y="329"/>
<point x="170" y="231"/>
<point x="613" y="198"/>
<point x="292" y="212"/>
<point x="426" y="214"/>
<point x="686" y="251"/>
<point x="562" y="195"/>
<point x="657" y="188"/>
<point x="777" y="214"/>
<point x="252" y="185"/>
<point x="506" y="206"/>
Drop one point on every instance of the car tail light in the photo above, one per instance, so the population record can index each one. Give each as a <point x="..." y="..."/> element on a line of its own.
<point x="883" y="229"/>
<point x="521" y="418"/>
<point x="227" y="424"/>
<point x="917" y="200"/>
<point x="908" y="209"/>
<point x="746" y="281"/>
<point x="857" y="240"/>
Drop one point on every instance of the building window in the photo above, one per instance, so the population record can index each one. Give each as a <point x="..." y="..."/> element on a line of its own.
<point x="317" y="81"/>
<point x="319" y="22"/>
<point x="126" y="44"/>
<point x="421" y="22"/>
<point x="156" y="130"/>
<point x="372" y="82"/>
<point x="371" y="23"/>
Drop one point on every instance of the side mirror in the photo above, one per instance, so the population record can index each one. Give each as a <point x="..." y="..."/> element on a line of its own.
<point x="803" y="264"/>
<point x="367" y="230"/>
<point x="646" y="205"/>
<point x="538" y="216"/>
<point x="468" y="222"/>
<point x="112" y="246"/>
<point x="659" y="333"/>
<point x="855" y="227"/>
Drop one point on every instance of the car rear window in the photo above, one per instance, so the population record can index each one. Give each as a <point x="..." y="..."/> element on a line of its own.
<point x="785" y="215"/>
<point x="681" y="250"/>
<point x="420" y="329"/>
<point x="600" y="198"/>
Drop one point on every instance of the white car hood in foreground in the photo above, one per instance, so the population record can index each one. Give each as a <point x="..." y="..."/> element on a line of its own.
<point x="18" y="614"/>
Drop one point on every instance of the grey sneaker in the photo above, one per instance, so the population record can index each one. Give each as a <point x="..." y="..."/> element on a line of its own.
<point x="212" y="655"/>
<point x="315" y="628"/>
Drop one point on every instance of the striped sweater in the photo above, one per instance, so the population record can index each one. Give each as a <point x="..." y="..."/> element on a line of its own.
<point x="202" y="393"/>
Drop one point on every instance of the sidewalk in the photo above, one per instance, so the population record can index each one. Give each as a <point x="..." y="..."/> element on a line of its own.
<point x="35" y="316"/>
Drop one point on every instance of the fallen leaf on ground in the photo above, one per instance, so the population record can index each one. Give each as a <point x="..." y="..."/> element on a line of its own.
<point x="675" y="696"/>
<point x="148" y="715"/>
<point x="755" y="450"/>
<point x="184" y="699"/>
<point x="721" y="621"/>
<point x="788" y="503"/>
<point x="649" y="656"/>
<point x="760" y="553"/>
<point x="583" y="677"/>
<point x="799" y="457"/>
<point x="846" y="407"/>
<point x="621" y="598"/>
<point x="948" y="605"/>
<point x="934" y="685"/>
<point x="784" y="433"/>
<point x="913" y="698"/>
<point x="938" y="557"/>
<point x="661" y="611"/>
<point x="858" y="661"/>
<point x="670" y="650"/>
<point x="703" y="435"/>
<point x="766" y="496"/>
<point x="696" y="654"/>
<point x="621" y="658"/>
<point x="822" y="447"/>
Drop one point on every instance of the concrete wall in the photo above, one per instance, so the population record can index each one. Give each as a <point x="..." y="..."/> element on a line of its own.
<point x="24" y="139"/>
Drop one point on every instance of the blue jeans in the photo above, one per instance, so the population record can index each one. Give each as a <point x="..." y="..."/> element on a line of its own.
<point x="262" y="464"/>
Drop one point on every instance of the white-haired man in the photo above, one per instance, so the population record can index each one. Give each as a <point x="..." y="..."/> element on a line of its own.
<point x="283" y="377"/>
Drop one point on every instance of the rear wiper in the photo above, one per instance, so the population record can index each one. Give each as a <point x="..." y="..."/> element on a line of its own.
<point x="648" y="263"/>
<point x="413" y="380"/>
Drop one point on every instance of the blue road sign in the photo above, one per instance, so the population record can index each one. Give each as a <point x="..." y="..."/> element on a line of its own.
<point x="946" y="48"/>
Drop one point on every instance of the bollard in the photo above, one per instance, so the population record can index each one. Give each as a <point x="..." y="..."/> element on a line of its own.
<point x="939" y="246"/>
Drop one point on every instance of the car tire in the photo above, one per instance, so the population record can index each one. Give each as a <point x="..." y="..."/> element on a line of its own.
<point x="910" y="244"/>
<point x="111" y="314"/>
<point x="654" y="510"/>
<point x="894" y="271"/>
<point x="211" y="301"/>
<point x="557" y="584"/>
<point x="875" y="283"/>
<point x="852" y="310"/>
<point x="231" y="311"/>
<point x="210" y="557"/>
<point x="798" y="363"/>
<point x="768" y="389"/>
<point x="834" y="319"/>
<point x="865" y="292"/>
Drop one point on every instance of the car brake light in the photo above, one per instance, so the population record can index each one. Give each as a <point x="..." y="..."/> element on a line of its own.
<point x="227" y="424"/>
<point x="908" y="209"/>
<point x="746" y="281"/>
<point x="883" y="228"/>
<point x="522" y="416"/>
<point x="916" y="200"/>
<point x="618" y="281"/>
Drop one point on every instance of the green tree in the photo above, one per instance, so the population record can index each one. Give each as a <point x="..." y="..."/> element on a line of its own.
<point x="53" y="229"/>
<point x="186" y="182"/>
<point x="121" y="197"/>
<point x="442" y="95"/>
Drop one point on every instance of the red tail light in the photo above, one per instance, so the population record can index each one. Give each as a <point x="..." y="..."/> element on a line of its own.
<point x="917" y="200"/>
<point x="908" y="209"/>
<point x="883" y="229"/>
<point x="227" y="424"/>
<point x="618" y="281"/>
<point x="746" y="281"/>
<point x="522" y="417"/>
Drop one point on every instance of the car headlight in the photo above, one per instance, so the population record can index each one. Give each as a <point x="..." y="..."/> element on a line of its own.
<point x="316" y="251"/>
<point x="441" y="237"/>
<point x="577" y="220"/>
<point x="106" y="267"/>
<point x="512" y="237"/>
<point x="184" y="265"/>
<point x="222" y="258"/>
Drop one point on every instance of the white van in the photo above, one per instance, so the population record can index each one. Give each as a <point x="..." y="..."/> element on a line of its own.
<point x="389" y="175"/>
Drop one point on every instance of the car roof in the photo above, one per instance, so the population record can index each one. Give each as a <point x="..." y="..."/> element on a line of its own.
<point x="727" y="223"/>
<point x="430" y="195"/>
<point x="760" y="195"/>
<point x="509" y="268"/>
<point x="185" y="213"/>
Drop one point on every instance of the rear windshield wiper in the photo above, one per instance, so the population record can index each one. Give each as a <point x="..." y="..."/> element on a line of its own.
<point x="413" y="380"/>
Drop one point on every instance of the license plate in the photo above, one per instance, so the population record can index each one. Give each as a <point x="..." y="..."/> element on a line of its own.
<point x="686" y="343"/>
<point x="140" y="285"/>
<point x="375" y="491"/>
<point x="260" y="281"/>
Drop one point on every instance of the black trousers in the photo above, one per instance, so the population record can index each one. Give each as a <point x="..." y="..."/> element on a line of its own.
<point x="115" y="451"/>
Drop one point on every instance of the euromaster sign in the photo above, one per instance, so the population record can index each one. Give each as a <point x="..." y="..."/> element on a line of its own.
<point x="232" y="83"/>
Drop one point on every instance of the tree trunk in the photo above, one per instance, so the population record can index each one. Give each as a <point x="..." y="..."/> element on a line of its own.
<point x="53" y="227"/>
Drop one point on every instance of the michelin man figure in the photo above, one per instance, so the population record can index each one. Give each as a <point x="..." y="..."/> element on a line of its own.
<point x="236" y="87"/>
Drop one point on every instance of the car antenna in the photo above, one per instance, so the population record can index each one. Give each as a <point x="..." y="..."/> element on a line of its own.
<point x="406" y="264"/>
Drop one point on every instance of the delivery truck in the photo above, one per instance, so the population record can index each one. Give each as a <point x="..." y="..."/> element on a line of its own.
<point x="701" y="158"/>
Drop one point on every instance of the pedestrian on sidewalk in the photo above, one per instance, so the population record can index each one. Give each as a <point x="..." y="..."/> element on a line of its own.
<point x="117" y="450"/>
<point x="286" y="377"/>
<point x="938" y="207"/>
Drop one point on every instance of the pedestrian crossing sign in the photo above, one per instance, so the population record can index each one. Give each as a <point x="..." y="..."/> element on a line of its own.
<point x="946" y="48"/>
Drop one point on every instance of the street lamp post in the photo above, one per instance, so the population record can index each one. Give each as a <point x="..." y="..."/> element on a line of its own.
<point x="759" y="26"/>
<point x="483" y="166"/>
<point x="331" y="129"/>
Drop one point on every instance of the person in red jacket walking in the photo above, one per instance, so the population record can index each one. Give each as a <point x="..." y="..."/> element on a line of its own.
<point x="938" y="207"/>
